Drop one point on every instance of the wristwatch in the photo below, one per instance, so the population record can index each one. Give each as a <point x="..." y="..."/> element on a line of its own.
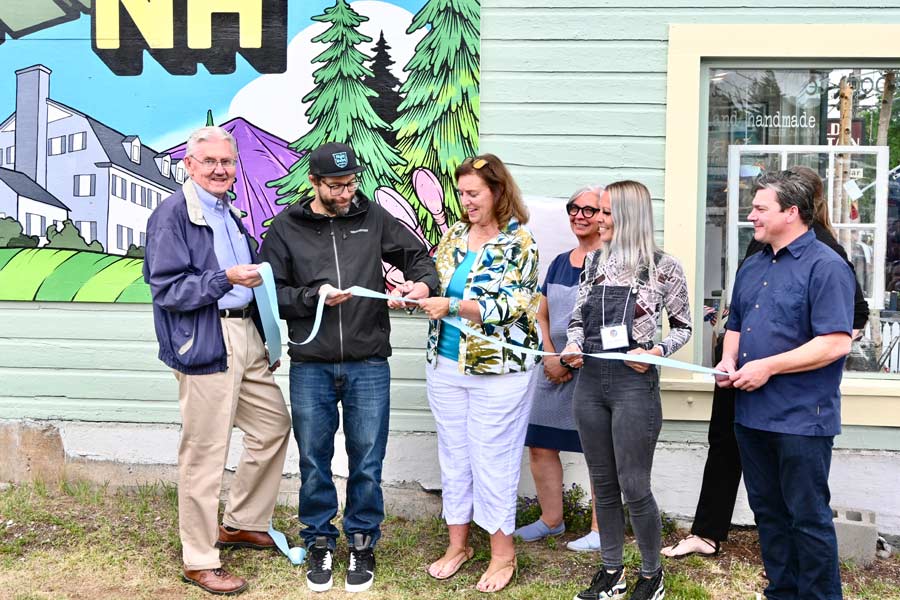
<point x="454" y="307"/>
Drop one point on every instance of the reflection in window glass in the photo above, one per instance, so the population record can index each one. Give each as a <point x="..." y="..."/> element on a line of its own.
<point x="802" y="107"/>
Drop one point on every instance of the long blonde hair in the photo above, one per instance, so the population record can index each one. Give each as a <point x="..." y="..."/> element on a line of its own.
<point x="633" y="242"/>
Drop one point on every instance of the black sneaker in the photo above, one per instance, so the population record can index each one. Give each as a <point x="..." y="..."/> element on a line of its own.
<point x="318" y="566"/>
<point x="649" y="588"/>
<point x="361" y="570"/>
<point x="605" y="586"/>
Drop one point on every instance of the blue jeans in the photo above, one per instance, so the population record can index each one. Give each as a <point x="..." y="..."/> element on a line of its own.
<point x="363" y="389"/>
<point x="787" y="485"/>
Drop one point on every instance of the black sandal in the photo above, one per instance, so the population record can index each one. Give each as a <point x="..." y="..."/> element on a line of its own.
<point x="714" y="545"/>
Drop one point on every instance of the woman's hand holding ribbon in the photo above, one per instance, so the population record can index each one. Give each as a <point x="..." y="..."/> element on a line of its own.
<point x="436" y="308"/>
<point x="571" y="355"/>
<point x="642" y="367"/>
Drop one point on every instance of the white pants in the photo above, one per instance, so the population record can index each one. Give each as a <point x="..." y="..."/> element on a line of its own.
<point x="481" y="423"/>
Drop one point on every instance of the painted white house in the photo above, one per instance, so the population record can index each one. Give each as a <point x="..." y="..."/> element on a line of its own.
<point x="108" y="181"/>
<point x="30" y="204"/>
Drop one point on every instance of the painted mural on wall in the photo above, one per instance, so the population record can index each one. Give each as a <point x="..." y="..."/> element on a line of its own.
<point x="98" y="97"/>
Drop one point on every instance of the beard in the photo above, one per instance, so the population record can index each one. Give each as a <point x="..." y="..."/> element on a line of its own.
<point x="334" y="208"/>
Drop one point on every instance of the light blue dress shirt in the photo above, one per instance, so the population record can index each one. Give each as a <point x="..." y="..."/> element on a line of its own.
<point x="229" y="243"/>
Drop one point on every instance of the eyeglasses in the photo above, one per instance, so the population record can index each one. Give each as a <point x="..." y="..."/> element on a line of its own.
<point x="338" y="188"/>
<point x="587" y="211"/>
<point x="210" y="164"/>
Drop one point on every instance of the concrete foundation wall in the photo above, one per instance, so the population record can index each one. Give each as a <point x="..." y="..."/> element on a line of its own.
<point x="132" y="454"/>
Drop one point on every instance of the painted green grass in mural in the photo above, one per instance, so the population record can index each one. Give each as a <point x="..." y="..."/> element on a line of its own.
<point x="70" y="276"/>
<point x="108" y="284"/>
<point x="27" y="270"/>
<point x="63" y="283"/>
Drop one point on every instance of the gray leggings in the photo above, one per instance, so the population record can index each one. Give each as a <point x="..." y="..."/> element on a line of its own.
<point x="619" y="415"/>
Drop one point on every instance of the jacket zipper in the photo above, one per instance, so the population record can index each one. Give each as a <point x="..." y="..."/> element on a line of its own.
<point x="337" y="266"/>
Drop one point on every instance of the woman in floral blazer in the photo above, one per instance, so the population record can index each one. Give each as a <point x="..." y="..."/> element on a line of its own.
<point x="488" y="266"/>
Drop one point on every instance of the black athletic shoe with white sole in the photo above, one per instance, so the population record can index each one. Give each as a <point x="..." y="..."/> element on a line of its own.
<point x="605" y="586"/>
<point x="649" y="588"/>
<point x="361" y="570"/>
<point x="318" y="566"/>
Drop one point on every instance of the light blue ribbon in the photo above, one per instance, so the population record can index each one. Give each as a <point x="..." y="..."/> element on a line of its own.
<point x="267" y="304"/>
<point x="296" y="554"/>
<point x="650" y="359"/>
<point x="320" y="309"/>
<point x="266" y="296"/>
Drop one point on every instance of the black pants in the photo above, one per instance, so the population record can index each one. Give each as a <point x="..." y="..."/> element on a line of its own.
<point x="722" y="474"/>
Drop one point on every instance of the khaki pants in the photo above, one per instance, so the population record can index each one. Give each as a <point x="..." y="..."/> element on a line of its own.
<point x="245" y="396"/>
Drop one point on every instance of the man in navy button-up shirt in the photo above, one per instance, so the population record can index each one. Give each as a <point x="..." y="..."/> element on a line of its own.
<point x="788" y="334"/>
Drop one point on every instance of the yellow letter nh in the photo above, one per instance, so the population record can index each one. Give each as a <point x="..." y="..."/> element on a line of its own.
<point x="200" y="21"/>
<point x="154" y="19"/>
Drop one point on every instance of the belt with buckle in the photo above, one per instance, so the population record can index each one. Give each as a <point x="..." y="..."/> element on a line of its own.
<point x="236" y="313"/>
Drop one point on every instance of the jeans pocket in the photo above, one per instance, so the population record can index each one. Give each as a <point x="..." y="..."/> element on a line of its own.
<point x="376" y="360"/>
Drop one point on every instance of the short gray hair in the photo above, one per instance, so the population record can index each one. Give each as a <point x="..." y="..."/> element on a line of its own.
<point x="205" y="134"/>
<point x="597" y="190"/>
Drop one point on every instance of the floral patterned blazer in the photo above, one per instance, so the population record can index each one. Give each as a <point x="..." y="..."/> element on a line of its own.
<point x="504" y="282"/>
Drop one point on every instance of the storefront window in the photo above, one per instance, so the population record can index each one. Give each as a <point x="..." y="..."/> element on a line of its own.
<point x="786" y="117"/>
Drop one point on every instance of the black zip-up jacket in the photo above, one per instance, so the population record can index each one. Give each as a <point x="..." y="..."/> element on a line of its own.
<point x="307" y="250"/>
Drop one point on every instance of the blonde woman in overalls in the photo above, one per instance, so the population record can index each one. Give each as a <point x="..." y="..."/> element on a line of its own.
<point x="625" y="286"/>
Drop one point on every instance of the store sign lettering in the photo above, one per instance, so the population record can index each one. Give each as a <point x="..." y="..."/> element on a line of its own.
<point x="833" y="131"/>
<point x="179" y="34"/>
<point x="764" y="120"/>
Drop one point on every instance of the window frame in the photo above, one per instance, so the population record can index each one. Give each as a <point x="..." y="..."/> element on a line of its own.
<point x="91" y="185"/>
<point x="62" y="145"/>
<point x="692" y="49"/>
<point x="82" y="137"/>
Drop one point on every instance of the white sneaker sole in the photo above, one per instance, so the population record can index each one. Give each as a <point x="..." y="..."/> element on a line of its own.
<point x="362" y="587"/>
<point x="320" y="587"/>
<point x="616" y="596"/>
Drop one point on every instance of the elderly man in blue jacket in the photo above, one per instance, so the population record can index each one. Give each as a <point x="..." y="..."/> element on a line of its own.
<point x="201" y="268"/>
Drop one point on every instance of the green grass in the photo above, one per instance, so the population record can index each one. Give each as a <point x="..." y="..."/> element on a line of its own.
<point x="79" y="540"/>
<point x="45" y="274"/>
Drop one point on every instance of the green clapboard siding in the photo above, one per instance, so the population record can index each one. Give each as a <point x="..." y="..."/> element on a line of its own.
<point x="97" y="362"/>
<point x="572" y="93"/>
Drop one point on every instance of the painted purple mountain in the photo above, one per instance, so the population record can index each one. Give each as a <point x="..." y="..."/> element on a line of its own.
<point x="262" y="157"/>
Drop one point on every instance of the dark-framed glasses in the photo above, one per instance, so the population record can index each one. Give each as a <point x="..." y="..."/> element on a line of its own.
<point x="338" y="188"/>
<point x="586" y="211"/>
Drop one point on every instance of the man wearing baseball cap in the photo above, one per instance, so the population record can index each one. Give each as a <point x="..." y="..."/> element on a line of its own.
<point x="322" y="245"/>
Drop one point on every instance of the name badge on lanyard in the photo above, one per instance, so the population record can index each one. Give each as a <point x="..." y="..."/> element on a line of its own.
<point x="613" y="336"/>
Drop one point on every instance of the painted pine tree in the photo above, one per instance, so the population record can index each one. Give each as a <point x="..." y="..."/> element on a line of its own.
<point x="438" y="124"/>
<point x="386" y="85"/>
<point x="340" y="109"/>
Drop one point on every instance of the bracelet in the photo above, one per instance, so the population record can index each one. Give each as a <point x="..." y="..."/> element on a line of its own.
<point x="453" y="311"/>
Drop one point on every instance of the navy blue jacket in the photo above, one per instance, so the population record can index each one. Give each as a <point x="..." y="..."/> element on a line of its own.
<point x="186" y="283"/>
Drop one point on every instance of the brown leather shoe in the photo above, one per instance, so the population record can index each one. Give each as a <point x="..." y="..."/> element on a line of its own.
<point x="215" y="581"/>
<point x="258" y="540"/>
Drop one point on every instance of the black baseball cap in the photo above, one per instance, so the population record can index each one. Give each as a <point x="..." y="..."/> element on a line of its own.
<point x="333" y="160"/>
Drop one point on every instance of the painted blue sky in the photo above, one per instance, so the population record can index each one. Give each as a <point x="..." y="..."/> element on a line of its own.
<point x="152" y="105"/>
